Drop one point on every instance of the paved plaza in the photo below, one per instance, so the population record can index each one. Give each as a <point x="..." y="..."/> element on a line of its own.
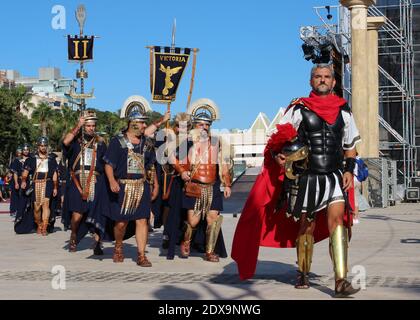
<point x="386" y="244"/>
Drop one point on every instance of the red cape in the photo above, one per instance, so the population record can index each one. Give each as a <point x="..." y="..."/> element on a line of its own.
<point x="260" y="224"/>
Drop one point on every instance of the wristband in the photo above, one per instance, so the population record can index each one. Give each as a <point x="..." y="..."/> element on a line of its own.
<point x="350" y="165"/>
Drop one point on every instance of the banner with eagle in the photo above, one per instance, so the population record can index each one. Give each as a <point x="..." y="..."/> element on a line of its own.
<point x="167" y="69"/>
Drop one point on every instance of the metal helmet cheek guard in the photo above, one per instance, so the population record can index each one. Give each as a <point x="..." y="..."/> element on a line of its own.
<point x="296" y="158"/>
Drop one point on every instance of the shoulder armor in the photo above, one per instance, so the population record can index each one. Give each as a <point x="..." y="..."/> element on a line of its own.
<point x="149" y="144"/>
<point x="100" y="140"/>
<point x="121" y="139"/>
<point x="295" y="101"/>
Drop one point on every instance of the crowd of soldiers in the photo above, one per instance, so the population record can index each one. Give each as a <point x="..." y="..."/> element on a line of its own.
<point x="111" y="191"/>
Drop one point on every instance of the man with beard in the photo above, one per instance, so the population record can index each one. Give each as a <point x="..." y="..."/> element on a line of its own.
<point x="129" y="166"/>
<point x="304" y="165"/>
<point x="204" y="170"/>
<point x="87" y="180"/>
<point x="42" y="171"/>
<point x="174" y="141"/>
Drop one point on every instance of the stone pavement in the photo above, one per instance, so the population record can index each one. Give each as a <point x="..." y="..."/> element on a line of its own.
<point x="386" y="244"/>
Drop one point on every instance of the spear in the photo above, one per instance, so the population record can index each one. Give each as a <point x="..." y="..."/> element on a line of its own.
<point x="165" y="176"/>
<point x="81" y="18"/>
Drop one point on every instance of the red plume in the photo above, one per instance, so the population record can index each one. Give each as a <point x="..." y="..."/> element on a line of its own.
<point x="285" y="132"/>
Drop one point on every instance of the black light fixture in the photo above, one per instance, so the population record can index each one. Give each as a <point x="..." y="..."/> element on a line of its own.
<point x="329" y="15"/>
<point x="308" y="51"/>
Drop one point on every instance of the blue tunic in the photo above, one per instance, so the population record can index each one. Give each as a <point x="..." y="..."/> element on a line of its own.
<point x="117" y="157"/>
<point x="16" y="168"/>
<point x="24" y="222"/>
<point x="91" y="209"/>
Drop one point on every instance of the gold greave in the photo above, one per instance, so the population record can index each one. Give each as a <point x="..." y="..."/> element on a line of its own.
<point x="339" y="247"/>
<point x="188" y="231"/>
<point x="212" y="233"/>
<point x="305" y="249"/>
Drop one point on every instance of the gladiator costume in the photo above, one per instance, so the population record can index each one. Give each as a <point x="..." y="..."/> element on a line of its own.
<point x="39" y="190"/>
<point x="313" y="138"/>
<point x="208" y="172"/>
<point x="86" y="183"/>
<point x="16" y="168"/>
<point x="134" y="170"/>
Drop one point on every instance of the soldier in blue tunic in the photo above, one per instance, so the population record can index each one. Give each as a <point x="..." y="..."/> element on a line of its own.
<point x="86" y="179"/>
<point x="17" y="168"/>
<point x="42" y="171"/>
<point x="129" y="167"/>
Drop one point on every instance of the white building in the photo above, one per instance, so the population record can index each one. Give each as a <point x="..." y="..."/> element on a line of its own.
<point x="49" y="87"/>
<point x="248" y="145"/>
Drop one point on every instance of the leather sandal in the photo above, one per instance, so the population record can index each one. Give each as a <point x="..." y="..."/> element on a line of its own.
<point x="343" y="288"/>
<point x="118" y="253"/>
<point x="211" y="257"/>
<point x="302" y="281"/>
<point x="142" y="261"/>
<point x="185" y="249"/>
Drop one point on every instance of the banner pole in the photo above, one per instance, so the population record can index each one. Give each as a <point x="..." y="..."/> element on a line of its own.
<point x="195" y="50"/>
<point x="165" y="175"/>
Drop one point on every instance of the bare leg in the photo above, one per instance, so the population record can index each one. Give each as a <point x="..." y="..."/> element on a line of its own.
<point x="141" y="239"/>
<point x="45" y="216"/>
<point x="119" y="231"/>
<point x="37" y="218"/>
<point x="141" y="235"/>
<point x="335" y="214"/>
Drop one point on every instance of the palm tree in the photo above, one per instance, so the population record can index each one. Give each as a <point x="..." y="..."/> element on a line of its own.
<point x="43" y="115"/>
<point x="69" y="118"/>
<point x="21" y="97"/>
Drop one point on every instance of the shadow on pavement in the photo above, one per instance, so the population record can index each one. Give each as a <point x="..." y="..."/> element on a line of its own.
<point x="170" y="292"/>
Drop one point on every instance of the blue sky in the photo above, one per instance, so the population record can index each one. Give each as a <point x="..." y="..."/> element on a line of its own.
<point x="250" y="57"/>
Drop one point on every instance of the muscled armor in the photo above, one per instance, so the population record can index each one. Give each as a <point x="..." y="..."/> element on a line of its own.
<point x="324" y="141"/>
<point x="205" y="173"/>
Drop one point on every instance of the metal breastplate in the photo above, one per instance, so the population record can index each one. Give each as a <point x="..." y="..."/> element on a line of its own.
<point x="206" y="173"/>
<point x="324" y="141"/>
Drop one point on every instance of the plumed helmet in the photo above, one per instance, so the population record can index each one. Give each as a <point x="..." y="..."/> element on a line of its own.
<point x="296" y="158"/>
<point x="136" y="115"/>
<point x="204" y="110"/>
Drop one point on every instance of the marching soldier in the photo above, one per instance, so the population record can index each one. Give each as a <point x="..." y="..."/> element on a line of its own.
<point x="204" y="171"/>
<point x="86" y="179"/>
<point x="129" y="168"/>
<point x="41" y="172"/>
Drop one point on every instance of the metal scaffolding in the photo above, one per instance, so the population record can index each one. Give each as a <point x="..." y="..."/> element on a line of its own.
<point x="397" y="97"/>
